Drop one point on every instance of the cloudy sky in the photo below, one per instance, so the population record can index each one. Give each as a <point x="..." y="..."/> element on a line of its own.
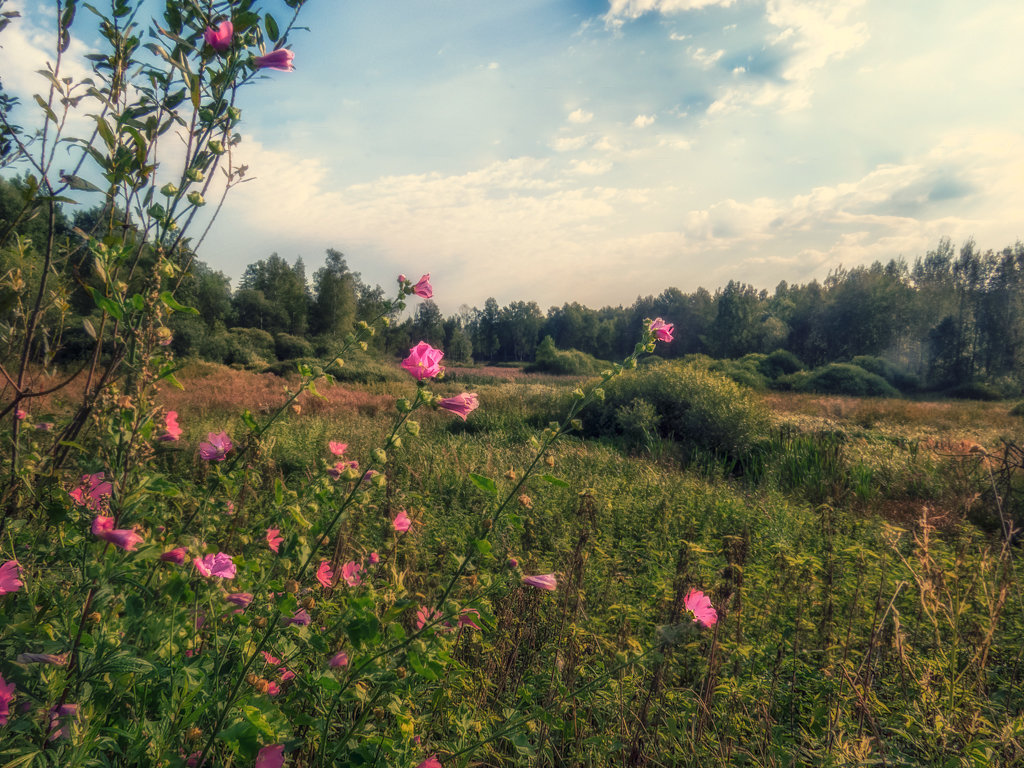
<point x="596" y="150"/>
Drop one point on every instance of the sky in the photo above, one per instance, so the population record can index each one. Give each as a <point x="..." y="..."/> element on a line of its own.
<point x="599" y="150"/>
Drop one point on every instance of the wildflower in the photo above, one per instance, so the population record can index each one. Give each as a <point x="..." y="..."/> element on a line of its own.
<point x="324" y="574"/>
<point x="124" y="538"/>
<point x="512" y="562"/>
<point x="6" y="695"/>
<point x="219" y="39"/>
<point x="337" y="448"/>
<point x="423" y="361"/>
<point x="467" y="616"/>
<point x="544" y="581"/>
<point x="341" y="467"/>
<point x="219" y="565"/>
<point x="286" y="674"/>
<point x="374" y="558"/>
<point x="662" y="331"/>
<point x="699" y="605"/>
<point x="301" y="618"/>
<point x="525" y="501"/>
<point x="402" y="522"/>
<point x="273" y="540"/>
<point x="426" y="616"/>
<point x="20" y="414"/>
<point x="61" y="719"/>
<point x="340" y="659"/>
<point x="55" y="659"/>
<point x="460" y="405"/>
<point x="93" y="492"/>
<point x="176" y="555"/>
<point x="9" y="581"/>
<point x="240" y="598"/>
<point x="270" y="658"/>
<point x="350" y="571"/>
<point x="423" y="289"/>
<point x="430" y="762"/>
<point x="216" y="446"/>
<point x="270" y="757"/>
<point x="280" y="58"/>
<point x="272" y="688"/>
<point x="171" y="429"/>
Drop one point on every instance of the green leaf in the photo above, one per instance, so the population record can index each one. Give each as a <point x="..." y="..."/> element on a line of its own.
<point x="272" y="31"/>
<point x="278" y="491"/>
<point x="485" y="484"/>
<point x="249" y="420"/>
<point x="168" y="299"/>
<point x="419" y="667"/>
<point x="77" y="182"/>
<point x="483" y="546"/>
<point x="554" y="481"/>
<point x="88" y="327"/>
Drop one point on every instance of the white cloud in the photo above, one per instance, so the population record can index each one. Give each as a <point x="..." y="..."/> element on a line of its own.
<point x="642" y="121"/>
<point x="706" y="59"/>
<point x="591" y="167"/>
<point x="580" y="116"/>
<point x="621" y="11"/>
<point x="569" y="143"/>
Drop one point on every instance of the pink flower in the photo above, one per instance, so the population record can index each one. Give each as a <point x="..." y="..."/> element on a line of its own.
<point x="286" y="674"/>
<point x="423" y="362"/>
<point x="324" y="574"/>
<point x="422" y="288"/>
<point x="176" y="555"/>
<point x="340" y="467"/>
<point x="430" y="762"/>
<point x="270" y="658"/>
<point x="273" y="540"/>
<point x="350" y="571"/>
<point x="374" y="558"/>
<point x="56" y="659"/>
<point x="171" y="429"/>
<point x="662" y="331"/>
<point x="216" y="446"/>
<point x="337" y="448"/>
<point x="460" y="405"/>
<point x="62" y="716"/>
<point x="402" y="522"/>
<point x="340" y="659"/>
<point x="545" y="581"/>
<point x="21" y="414"/>
<point x="278" y="59"/>
<point x="270" y="757"/>
<point x="512" y="562"/>
<point x="301" y="618"/>
<point x="273" y="688"/>
<point x="402" y="279"/>
<point x="219" y="40"/>
<point x="219" y="565"/>
<point x="93" y="492"/>
<point x="6" y="696"/>
<point x="125" y="538"/>
<point x="9" y="581"/>
<point x="240" y="598"/>
<point x="699" y="605"/>
<point x="425" y="616"/>
<point x="467" y="616"/>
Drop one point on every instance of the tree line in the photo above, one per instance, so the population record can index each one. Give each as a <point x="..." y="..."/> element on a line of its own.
<point x="952" y="316"/>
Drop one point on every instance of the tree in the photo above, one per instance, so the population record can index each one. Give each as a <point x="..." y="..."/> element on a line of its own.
<point x="335" y="300"/>
<point x="284" y="286"/>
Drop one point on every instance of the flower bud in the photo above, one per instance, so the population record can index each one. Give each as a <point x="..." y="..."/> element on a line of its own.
<point x="412" y="427"/>
<point x="308" y="603"/>
<point x="194" y="174"/>
<point x="380" y="456"/>
<point x="576" y="424"/>
<point x="216" y="147"/>
<point x="168" y="190"/>
<point x="196" y="199"/>
<point x="291" y="586"/>
<point x="549" y="460"/>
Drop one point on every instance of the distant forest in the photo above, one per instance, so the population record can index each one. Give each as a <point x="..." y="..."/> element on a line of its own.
<point x="953" y="316"/>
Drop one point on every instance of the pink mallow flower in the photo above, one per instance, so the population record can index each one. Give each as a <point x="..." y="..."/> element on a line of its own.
<point x="423" y="289"/>
<point x="430" y="762"/>
<point x="423" y="362"/>
<point x="337" y="448"/>
<point x="426" y="616"/>
<point x="219" y="565"/>
<point x="240" y="598"/>
<point x="280" y="59"/>
<point x="219" y="39"/>
<point x="20" y="414"/>
<point x="340" y="467"/>
<point x="216" y="446"/>
<point x="124" y="538"/>
<point x="9" y="581"/>
<point x="6" y="696"/>
<point x="374" y="558"/>
<point x="460" y="405"/>
<point x="402" y="522"/>
<point x="176" y="556"/>
<point x="270" y="757"/>
<point x="61" y="719"/>
<point x="171" y="429"/>
<point x="467" y="616"/>
<point x="273" y="540"/>
<point x="93" y="492"/>
<point x="545" y="581"/>
<point x="301" y="618"/>
<point x="699" y="605"/>
<point x="54" y="659"/>
<point x="324" y="574"/>
<point x="662" y="331"/>
<point x="340" y="659"/>
<point x="350" y="571"/>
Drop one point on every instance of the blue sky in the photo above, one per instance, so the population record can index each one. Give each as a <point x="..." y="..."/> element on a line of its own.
<point x="596" y="151"/>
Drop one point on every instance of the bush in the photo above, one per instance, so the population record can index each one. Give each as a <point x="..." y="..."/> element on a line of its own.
<point x="1018" y="409"/>
<point x="685" y="402"/>
<point x="781" y="362"/>
<point x="567" y="362"/>
<point x="847" y="379"/>
<point x="745" y="371"/>
<point x="288" y="347"/>
<point x="902" y="380"/>
<point x="974" y="390"/>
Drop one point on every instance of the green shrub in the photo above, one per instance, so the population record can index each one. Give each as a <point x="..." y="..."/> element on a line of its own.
<point x="698" y="408"/>
<point x="1018" y="409"/>
<point x="565" y="362"/>
<point x="902" y="380"/>
<point x="847" y="379"/>
<point x="974" y="390"/>
<point x="288" y="347"/>
<point x="781" y="362"/>
<point x="745" y="371"/>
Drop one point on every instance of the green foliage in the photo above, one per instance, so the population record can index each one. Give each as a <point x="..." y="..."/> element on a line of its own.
<point x="698" y="408"/>
<point x="563" y="362"/>
<point x="903" y="381"/>
<point x="288" y="347"/>
<point x="781" y="362"/>
<point x="747" y="371"/>
<point x="847" y="379"/>
<point x="974" y="390"/>
<point x="1018" y="409"/>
